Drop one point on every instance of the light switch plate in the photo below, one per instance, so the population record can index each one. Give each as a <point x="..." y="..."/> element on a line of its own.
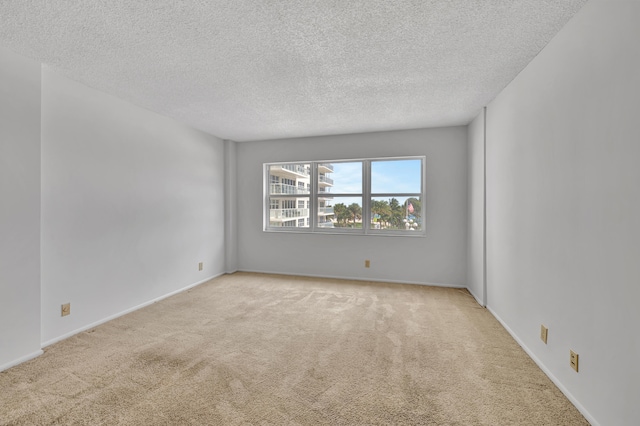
<point x="544" y="332"/>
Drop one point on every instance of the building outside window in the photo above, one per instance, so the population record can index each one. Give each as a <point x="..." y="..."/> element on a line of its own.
<point x="289" y="192"/>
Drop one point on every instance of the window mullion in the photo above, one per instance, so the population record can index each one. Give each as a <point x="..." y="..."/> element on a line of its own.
<point x="266" y="198"/>
<point x="313" y="197"/>
<point x="366" y="196"/>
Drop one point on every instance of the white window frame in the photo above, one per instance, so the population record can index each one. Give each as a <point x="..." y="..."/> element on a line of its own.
<point x="366" y="195"/>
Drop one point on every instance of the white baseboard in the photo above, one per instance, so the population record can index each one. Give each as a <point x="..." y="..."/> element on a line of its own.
<point x="119" y="314"/>
<point x="21" y="360"/>
<point x="352" y="278"/>
<point x="480" y="302"/>
<point x="546" y="371"/>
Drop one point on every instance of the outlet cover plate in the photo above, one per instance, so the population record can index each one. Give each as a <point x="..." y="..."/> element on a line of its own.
<point x="573" y="360"/>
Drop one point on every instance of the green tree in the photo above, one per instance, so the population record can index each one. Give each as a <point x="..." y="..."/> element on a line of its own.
<point x="342" y="213"/>
<point x="355" y="212"/>
<point x="382" y="209"/>
<point x="397" y="214"/>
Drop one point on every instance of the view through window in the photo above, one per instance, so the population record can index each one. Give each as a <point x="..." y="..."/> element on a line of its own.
<point x="370" y="196"/>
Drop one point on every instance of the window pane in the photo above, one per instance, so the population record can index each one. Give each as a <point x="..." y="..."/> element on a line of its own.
<point x="290" y="179"/>
<point x="340" y="178"/>
<point x="341" y="212"/>
<point x="396" y="176"/>
<point x="289" y="212"/>
<point x="396" y="213"/>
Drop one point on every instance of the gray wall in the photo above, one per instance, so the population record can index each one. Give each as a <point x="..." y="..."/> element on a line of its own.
<point x="563" y="209"/>
<point x="131" y="203"/>
<point x="439" y="258"/>
<point x="230" y="207"/>
<point x="476" y="225"/>
<point x="19" y="209"/>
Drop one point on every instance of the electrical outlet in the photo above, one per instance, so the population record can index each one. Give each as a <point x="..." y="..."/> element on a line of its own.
<point x="65" y="309"/>
<point x="544" y="331"/>
<point x="367" y="263"/>
<point x="200" y="266"/>
<point x="573" y="360"/>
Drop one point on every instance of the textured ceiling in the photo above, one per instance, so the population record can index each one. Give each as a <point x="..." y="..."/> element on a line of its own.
<point x="248" y="70"/>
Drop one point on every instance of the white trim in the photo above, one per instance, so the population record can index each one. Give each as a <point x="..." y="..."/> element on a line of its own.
<point x="475" y="297"/>
<point x="354" y="278"/>
<point x="21" y="360"/>
<point x="366" y="195"/>
<point x="546" y="371"/>
<point x="313" y="199"/>
<point x="126" y="311"/>
<point x="347" y="231"/>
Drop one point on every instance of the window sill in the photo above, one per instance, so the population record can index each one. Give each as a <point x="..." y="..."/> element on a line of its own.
<point x="355" y="232"/>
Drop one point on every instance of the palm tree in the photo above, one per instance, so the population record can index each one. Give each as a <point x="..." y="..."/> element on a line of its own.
<point x="397" y="213"/>
<point x="341" y="213"/>
<point x="382" y="209"/>
<point x="356" y="212"/>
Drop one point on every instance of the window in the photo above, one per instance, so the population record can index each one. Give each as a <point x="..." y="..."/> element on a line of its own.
<point x="289" y="190"/>
<point x="340" y="196"/>
<point x="382" y="196"/>
<point x="396" y="194"/>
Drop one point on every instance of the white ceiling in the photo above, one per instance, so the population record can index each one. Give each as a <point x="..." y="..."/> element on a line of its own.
<point x="259" y="69"/>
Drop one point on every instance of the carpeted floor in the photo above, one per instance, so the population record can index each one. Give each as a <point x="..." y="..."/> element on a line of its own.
<point x="253" y="349"/>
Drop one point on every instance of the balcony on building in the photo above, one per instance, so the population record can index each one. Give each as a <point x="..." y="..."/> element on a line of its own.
<point x="324" y="180"/>
<point x="291" y="171"/>
<point x="283" y="188"/>
<point x="324" y="193"/>
<point x="280" y="215"/>
<point x="325" y="211"/>
<point x="325" y="168"/>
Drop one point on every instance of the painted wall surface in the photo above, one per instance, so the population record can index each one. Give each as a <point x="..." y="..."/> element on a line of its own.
<point x="230" y="207"/>
<point x="475" y="245"/>
<point x="438" y="258"/>
<point x="19" y="209"/>
<point x="563" y="209"/>
<point x="131" y="203"/>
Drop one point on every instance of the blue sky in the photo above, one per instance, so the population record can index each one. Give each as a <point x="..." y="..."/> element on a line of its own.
<point x="347" y="178"/>
<point x="395" y="176"/>
<point x="391" y="176"/>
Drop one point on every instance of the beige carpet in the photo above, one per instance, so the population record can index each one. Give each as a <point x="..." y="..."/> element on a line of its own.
<point x="253" y="349"/>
